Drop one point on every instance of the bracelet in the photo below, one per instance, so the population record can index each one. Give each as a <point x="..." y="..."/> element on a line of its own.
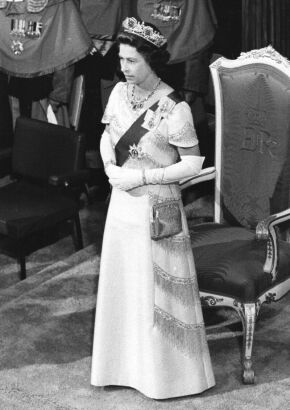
<point x="144" y="177"/>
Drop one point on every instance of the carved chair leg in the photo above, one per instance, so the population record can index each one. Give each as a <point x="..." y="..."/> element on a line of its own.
<point x="249" y="314"/>
<point x="78" y="233"/>
<point x="22" y="262"/>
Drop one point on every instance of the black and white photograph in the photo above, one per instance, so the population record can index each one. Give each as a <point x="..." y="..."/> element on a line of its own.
<point x="144" y="204"/>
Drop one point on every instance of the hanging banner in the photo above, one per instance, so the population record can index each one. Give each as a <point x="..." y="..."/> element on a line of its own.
<point x="34" y="44"/>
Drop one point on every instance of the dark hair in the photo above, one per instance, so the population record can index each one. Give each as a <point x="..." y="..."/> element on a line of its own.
<point x="156" y="57"/>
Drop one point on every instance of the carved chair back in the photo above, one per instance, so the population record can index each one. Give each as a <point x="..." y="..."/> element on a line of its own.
<point x="252" y="96"/>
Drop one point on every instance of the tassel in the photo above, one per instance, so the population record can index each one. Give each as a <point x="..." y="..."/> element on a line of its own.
<point x="188" y="338"/>
<point x="177" y="244"/>
<point x="182" y="289"/>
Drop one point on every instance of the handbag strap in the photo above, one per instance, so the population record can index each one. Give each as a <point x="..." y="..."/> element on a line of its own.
<point x="161" y="185"/>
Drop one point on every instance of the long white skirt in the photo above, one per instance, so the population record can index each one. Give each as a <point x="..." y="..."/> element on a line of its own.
<point x="129" y="349"/>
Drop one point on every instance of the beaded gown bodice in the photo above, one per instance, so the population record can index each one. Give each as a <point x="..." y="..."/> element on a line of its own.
<point x="169" y="127"/>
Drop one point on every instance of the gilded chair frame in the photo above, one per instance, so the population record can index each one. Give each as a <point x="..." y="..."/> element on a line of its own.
<point x="266" y="229"/>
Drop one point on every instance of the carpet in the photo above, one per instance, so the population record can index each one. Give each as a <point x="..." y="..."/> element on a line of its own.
<point x="46" y="328"/>
<point x="46" y="331"/>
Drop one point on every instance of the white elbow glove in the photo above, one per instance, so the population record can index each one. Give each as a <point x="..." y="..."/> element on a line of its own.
<point x="107" y="151"/>
<point x="125" y="178"/>
<point x="188" y="166"/>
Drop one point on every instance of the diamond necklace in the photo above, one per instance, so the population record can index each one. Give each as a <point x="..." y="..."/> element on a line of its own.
<point x="137" y="104"/>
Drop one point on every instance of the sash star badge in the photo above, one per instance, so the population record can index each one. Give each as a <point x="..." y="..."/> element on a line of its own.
<point x="135" y="152"/>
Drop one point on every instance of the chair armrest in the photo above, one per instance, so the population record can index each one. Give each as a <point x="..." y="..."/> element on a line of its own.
<point x="266" y="229"/>
<point x="74" y="179"/>
<point x="205" y="174"/>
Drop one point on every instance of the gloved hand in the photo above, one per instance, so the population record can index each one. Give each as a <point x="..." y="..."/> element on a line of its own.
<point x="112" y="170"/>
<point x="125" y="178"/>
<point x="189" y="165"/>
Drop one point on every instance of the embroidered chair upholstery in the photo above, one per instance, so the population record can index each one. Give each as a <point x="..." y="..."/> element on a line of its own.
<point x="47" y="172"/>
<point x="243" y="257"/>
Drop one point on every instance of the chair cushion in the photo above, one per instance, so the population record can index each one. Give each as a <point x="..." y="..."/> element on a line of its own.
<point x="26" y="208"/>
<point x="229" y="261"/>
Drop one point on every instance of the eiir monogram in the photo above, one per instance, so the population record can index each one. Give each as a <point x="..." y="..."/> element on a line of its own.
<point x="256" y="137"/>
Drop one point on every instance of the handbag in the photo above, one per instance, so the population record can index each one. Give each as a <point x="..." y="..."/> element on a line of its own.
<point x="165" y="219"/>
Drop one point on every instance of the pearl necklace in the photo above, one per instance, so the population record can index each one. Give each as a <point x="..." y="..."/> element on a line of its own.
<point x="136" y="103"/>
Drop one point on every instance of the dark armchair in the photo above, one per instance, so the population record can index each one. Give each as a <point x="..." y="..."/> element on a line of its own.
<point x="45" y="184"/>
<point x="243" y="257"/>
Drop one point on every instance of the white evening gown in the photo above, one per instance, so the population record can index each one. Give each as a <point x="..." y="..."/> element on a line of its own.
<point x="149" y="332"/>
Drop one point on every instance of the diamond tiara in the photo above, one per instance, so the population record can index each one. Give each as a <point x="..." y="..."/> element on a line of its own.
<point x="131" y="25"/>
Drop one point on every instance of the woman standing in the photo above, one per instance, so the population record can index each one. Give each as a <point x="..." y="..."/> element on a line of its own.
<point x="149" y="331"/>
